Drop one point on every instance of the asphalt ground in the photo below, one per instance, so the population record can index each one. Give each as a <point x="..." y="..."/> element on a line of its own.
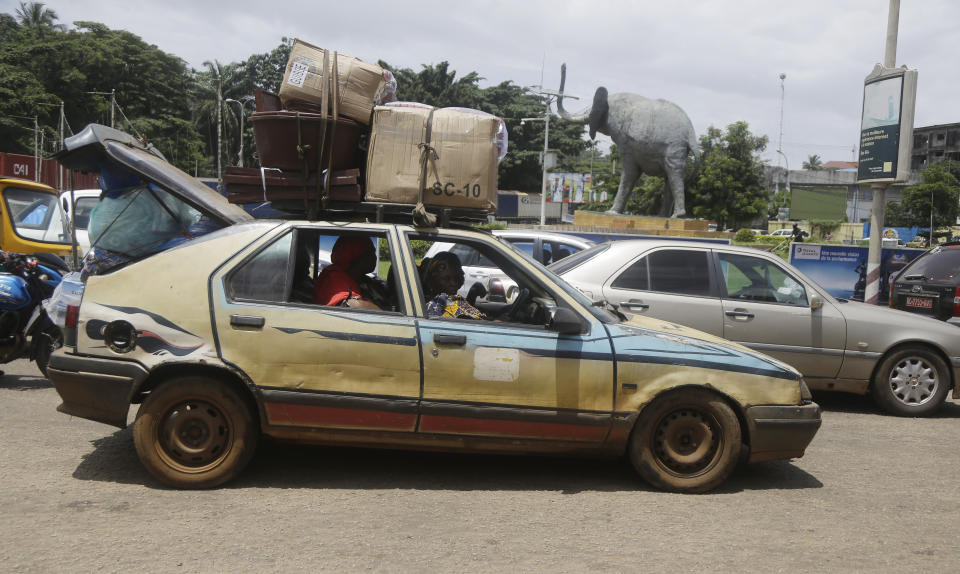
<point x="874" y="493"/>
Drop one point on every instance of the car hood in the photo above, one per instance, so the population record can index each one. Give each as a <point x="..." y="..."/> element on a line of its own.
<point x="89" y="149"/>
<point x="683" y="345"/>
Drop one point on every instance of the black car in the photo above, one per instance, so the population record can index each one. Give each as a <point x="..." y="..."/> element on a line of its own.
<point x="930" y="284"/>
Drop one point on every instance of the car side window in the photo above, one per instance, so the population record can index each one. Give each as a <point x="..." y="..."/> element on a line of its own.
<point x="525" y="245"/>
<point x="636" y="277"/>
<point x="756" y="279"/>
<point x="265" y="276"/>
<point x="315" y="266"/>
<point x="506" y="295"/>
<point x="677" y="271"/>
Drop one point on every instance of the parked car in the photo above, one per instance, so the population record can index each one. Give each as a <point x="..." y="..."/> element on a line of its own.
<point x="782" y="233"/>
<point x="84" y="200"/>
<point x="907" y="362"/>
<point x="543" y="246"/>
<point x="930" y="284"/>
<point x="223" y="345"/>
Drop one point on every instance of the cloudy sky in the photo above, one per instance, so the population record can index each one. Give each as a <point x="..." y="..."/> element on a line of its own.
<point x="720" y="60"/>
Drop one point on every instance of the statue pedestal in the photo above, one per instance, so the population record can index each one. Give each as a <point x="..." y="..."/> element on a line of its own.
<point x="647" y="225"/>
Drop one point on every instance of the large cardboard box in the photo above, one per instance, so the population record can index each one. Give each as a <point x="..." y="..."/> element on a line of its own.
<point x="464" y="173"/>
<point x="358" y="81"/>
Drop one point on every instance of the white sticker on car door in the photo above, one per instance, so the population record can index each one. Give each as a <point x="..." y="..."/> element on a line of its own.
<point x="496" y="364"/>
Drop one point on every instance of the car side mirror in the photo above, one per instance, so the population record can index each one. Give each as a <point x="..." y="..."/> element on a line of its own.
<point x="565" y="322"/>
<point x="816" y="302"/>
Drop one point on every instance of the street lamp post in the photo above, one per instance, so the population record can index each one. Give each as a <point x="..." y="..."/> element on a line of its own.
<point x="242" y="104"/>
<point x="780" y="140"/>
<point x="787" y="163"/>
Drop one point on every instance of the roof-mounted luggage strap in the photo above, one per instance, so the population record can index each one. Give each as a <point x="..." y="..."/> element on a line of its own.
<point x="421" y="217"/>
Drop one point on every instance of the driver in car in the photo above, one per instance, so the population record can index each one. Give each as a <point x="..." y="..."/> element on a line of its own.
<point x="442" y="276"/>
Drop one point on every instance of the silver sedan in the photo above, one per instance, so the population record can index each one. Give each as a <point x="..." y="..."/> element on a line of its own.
<point x="906" y="362"/>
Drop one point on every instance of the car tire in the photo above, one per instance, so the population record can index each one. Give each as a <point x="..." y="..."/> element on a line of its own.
<point x="195" y="432"/>
<point x="687" y="441"/>
<point x="911" y="382"/>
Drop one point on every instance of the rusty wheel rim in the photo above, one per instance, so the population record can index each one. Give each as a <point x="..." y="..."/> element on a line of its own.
<point x="687" y="442"/>
<point x="194" y="436"/>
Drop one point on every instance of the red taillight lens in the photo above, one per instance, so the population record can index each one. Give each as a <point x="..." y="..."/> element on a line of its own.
<point x="496" y="288"/>
<point x="956" y="301"/>
<point x="72" y="312"/>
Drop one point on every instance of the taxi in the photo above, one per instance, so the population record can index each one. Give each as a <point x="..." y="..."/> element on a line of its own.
<point x="220" y="341"/>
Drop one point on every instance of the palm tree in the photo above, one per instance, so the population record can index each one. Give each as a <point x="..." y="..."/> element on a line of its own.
<point x="34" y="16"/>
<point x="813" y="163"/>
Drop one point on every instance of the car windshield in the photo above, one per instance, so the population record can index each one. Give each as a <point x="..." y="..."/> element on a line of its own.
<point x="36" y="215"/>
<point x="942" y="265"/>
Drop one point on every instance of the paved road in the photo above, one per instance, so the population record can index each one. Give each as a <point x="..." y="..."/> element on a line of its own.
<point x="874" y="494"/>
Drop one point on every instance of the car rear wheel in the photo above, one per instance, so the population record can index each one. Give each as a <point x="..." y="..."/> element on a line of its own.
<point x="195" y="432"/>
<point x="687" y="441"/>
<point x="911" y="382"/>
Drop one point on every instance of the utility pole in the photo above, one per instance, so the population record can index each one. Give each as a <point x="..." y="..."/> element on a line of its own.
<point x="113" y="105"/>
<point x="219" y="130"/>
<point x="36" y="152"/>
<point x="549" y="96"/>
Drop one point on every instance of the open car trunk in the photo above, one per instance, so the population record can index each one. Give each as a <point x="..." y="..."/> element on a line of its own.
<point x="148" y="205"/>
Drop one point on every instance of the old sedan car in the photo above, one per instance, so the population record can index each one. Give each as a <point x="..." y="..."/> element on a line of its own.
<point x="219" y="342"/>
<point x="907" y="362"/>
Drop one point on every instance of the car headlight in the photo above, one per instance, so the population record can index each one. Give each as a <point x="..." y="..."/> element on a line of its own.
<point x="805" y="391"/>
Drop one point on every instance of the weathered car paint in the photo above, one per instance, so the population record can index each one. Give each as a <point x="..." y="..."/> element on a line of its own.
<point x="373" y="378"/>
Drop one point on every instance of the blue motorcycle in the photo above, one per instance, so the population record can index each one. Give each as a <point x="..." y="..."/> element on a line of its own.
<point x="25" y="329"/>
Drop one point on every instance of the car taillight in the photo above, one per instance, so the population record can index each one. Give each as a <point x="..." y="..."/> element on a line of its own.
<point x="72" y="312"/>
<point x="956" y="301"/>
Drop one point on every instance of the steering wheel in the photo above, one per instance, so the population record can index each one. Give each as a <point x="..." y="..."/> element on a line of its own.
<point x="513" y="313"/>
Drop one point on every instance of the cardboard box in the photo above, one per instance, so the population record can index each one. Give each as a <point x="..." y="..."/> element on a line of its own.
<point x="464" y="174"/>
<point x="358" y="81"/>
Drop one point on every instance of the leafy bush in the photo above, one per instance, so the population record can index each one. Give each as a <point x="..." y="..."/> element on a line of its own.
<point x="745" y="236"/>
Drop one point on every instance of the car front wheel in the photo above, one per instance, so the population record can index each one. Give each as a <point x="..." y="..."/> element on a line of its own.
<point x="687" y="441"/>
<point x="912" y="382"/>
<point x="195" y="432"/>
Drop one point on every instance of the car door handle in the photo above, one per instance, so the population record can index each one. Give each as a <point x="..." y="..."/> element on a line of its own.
<point x="246" y="321"/>
<point x="635" y="305"/>
<point x="442" y="339"/>
<point x="739" y="314"/>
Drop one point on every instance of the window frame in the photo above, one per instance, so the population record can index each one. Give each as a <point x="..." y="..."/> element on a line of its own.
<point x="724" y="295"/>
<point x="297" y="231"/>
<point x="713" y="291"/>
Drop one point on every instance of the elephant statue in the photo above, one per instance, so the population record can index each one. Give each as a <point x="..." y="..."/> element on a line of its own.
<point x="654" y="137"/>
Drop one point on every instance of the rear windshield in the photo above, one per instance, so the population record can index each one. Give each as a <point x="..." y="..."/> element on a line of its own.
<point x="577" y="259"/>
<point x="36" y="215"/>
<point x="941" y="265"/>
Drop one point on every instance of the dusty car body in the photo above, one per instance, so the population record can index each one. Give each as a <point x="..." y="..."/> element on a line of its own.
<point x="907" y="362"/>
<point x="224" y="345"/>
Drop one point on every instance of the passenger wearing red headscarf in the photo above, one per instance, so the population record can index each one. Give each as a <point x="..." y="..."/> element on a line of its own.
<point x="352" y="257"/>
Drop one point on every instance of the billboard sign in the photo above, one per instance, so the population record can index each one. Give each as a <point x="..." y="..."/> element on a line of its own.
<point x="886" y="125"/>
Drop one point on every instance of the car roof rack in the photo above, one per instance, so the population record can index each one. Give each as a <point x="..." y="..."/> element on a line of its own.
<point x="381" y="212"/>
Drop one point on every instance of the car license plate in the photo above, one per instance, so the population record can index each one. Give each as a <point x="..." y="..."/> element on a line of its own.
<point x="920" y="302"/>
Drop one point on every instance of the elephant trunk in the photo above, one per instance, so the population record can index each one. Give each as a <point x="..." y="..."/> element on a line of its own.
<point x="580" y="119"/>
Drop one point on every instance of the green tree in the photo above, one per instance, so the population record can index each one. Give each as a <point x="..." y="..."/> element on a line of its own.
<point x="939" y="193"/>
<point x="813" y="163"/>
<point x="33" y="16"/>
<point x="727" y="182"/>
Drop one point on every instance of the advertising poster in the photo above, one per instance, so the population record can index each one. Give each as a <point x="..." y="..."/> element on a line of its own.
<point x="880" y="128"/>
<point x="568" y="188"/>
<point x="842" y="269"/>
